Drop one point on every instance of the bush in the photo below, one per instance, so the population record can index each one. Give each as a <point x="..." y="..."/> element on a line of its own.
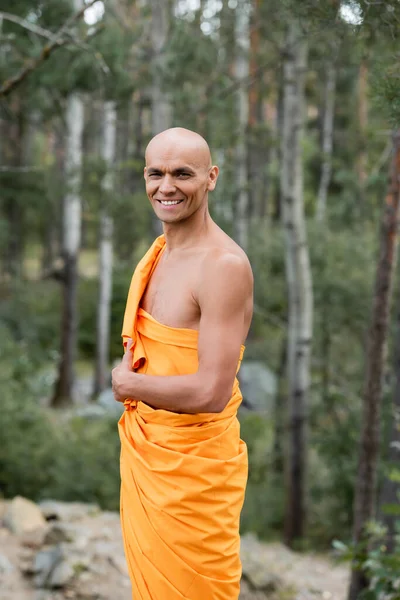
<point x="42" y="453"/>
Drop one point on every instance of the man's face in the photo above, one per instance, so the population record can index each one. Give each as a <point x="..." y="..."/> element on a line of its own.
<point x="178" y="180"/>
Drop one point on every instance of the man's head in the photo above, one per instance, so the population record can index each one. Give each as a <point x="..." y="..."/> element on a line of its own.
<point x="178" y="174"/>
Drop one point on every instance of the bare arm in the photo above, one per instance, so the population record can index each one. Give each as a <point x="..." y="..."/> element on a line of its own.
<point x="226" y="286"/>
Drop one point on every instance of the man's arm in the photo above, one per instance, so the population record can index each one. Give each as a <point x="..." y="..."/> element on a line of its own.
<point x="226" y="286"/>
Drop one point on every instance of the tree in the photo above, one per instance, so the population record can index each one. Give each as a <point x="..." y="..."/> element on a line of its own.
<point x="390" y="493"/>
<point x="72" y="223"/>
<point x="242" y="62"/>
<point x="365" y="491"/>
<point x="160" y="102"/>
<point x="298" y="275"/>
<point x="105" y="248"/>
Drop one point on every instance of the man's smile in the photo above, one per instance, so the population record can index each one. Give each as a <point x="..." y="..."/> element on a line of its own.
<point x="169" y="202"/>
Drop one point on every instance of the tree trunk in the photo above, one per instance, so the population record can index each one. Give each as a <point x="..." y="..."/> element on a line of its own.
<point x="280" y="414"/>
<point x="327" y="140"/>
<point x="241" y="74"/>
<point x="161" y="104"/>
<point x="15" y="132"/>
<point x="365" y="491"/>
<point x="298" y="276"/>
<point x="71" y="244"/>
<point x="106" y="251"/>
<point x="391" y="488"/>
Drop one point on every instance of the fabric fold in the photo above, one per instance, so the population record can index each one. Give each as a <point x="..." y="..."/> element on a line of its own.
<point x="183" y="476"/>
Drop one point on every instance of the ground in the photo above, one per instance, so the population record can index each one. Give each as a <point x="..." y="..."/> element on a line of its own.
<point x="102" y="572"/>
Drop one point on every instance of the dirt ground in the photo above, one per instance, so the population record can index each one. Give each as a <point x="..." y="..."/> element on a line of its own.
<point x="103" y="574"/>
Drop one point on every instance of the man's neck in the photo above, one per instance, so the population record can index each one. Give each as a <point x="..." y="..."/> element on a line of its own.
<point x="189" y="233"/>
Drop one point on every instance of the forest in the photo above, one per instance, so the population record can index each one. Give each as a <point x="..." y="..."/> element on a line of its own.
<point x="299" y="102"/>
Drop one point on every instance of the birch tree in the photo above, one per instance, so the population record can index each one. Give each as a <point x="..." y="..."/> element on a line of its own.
<point x="365" y="491"/>
<point x="105" y="249"/>
<point x="298" y="276"/>
<point x="160" y="101"/>
<point x="242" y="69"/>
<point x="72" y="219"/>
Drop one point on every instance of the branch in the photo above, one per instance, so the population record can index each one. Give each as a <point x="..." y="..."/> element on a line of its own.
<point x="26" y="25"/>
<point x="47" y="50"/>
<point x="22" y="169"/>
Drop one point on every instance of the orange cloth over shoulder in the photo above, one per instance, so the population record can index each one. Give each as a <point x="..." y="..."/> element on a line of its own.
<point x="183" y="476"/>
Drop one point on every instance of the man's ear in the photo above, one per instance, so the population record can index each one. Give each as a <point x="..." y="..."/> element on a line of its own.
<point x="212" y="178"/>
<point x="145" y="172"/>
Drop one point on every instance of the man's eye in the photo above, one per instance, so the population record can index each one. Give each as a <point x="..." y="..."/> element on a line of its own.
<point x="154" y="175"/>
<point x="183" y="175"/>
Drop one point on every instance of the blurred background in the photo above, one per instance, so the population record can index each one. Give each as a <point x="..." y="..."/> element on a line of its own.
<point x="299" y="102"/>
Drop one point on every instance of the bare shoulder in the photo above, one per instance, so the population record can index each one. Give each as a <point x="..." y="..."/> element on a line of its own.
<point x="226" y="264"/>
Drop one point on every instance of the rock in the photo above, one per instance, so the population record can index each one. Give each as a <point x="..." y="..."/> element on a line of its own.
<point x="34" y="538"/>
<point x="60" y="532"/>
<point x="61" y="575"/>
<point x="89" y="412"/>
<point x="258" y="385"/>
<point x="3" y="509"/>
<point x="254" y="570"/>
<point x="22" y="516"/>
<point x="107" y="401"/>
<point x="44" y="563"/>
<point x="5" y="564"/>
<point x="53" y="510"/>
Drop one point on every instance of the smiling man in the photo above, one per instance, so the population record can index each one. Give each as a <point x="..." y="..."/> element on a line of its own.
<point x="183" y="465"/>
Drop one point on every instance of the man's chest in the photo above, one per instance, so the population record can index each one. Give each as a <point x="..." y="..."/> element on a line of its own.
<point x="170" y="294"/>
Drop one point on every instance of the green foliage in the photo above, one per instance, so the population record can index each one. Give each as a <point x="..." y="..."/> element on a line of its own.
<point x="381" y="567"/>
<point x="264" y="503"/>
<point x="41" y="450"/>
<point x="88" y="294"/>
<point x="371" y="555"/>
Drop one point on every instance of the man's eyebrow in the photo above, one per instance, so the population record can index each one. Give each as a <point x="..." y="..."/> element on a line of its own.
<point x="178" y="171"/>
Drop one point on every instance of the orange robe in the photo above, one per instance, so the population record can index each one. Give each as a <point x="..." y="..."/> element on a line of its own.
<point x="183" y="476"/>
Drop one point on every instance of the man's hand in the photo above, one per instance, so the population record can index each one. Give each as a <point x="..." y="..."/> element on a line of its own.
<point x="122" y="375"/>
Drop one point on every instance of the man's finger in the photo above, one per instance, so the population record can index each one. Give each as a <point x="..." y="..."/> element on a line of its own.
<point x="127" y="358"/>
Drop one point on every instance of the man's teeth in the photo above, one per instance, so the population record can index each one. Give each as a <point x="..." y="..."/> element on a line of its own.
<point x="169" y="202"/>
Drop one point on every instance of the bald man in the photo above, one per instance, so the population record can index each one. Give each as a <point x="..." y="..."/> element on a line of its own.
<point x="183" y="465"/>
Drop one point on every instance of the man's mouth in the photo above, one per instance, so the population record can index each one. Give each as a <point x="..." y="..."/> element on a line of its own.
<point x="169" y="202"/>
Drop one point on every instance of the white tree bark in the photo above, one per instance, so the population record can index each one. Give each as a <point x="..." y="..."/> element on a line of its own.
<point x="105" y="249"/>
<point x="242" y="69"/>
<point x="298" y="275"/>
<point x="73" y="165"/>
<point x="72" y="221"/>
<point x="160" y="102"/>
<point x="327" y="140"/>
<point x="161" y="105"/>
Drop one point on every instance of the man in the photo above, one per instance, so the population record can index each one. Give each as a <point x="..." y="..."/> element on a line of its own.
<point x="183" y="465"/>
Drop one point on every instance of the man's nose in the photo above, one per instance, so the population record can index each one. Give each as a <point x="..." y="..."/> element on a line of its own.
<point x="167" y="185"/>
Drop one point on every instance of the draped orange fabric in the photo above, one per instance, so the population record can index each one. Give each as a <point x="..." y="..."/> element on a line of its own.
<point x="183" y="476"/>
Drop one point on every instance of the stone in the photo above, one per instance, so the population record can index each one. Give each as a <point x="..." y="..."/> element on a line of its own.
<point x="34" y="538"/>
<point x="90" y="412"/>
<point x="53" y="510"/>
<point x="61" y="575"/>
<point x="3" y="509"/>
<point x="107" y="401"/>
<point x="5" y="564"/>
<point x="44" y="563"/>
<point x="23" y="515"/>
<point x="254" y="571"/>
<point x="59" y="532"/>
<point x="258" y="385"/>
